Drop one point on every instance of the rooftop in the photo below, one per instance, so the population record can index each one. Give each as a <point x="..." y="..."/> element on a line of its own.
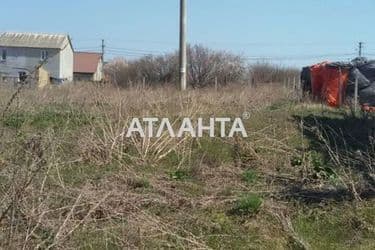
<point x="86" y="62"/>
<point x="34" y="40"/>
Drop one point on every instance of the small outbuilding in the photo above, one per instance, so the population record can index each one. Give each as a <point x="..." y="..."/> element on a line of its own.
<point x="333" y="81"/>
<point x="88" y="66"/>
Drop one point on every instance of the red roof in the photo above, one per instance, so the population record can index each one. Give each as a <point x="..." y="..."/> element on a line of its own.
<point x="86" y="62"/>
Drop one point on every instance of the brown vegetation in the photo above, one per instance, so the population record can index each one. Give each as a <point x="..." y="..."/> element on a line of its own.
<point x="206" y="67"/>
<point x="69" y="179"/>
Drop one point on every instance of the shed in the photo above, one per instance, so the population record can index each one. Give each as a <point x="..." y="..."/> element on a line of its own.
<point x="88" y="66"/>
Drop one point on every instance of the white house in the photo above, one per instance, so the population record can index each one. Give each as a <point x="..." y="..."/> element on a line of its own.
<point x="22" y="53"/>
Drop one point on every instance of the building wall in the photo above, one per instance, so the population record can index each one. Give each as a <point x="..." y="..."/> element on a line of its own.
<point x="83" y="77"/>
<point x="67" y="63"/>
<point x="26" y="59"/>
<point x="43" y="78"/>
<point x="98" y="76"/>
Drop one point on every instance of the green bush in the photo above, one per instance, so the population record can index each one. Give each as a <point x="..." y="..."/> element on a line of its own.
<point x="322" y="169"/>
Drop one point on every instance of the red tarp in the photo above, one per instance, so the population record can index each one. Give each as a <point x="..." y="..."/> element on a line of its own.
<point x="328" y="81"/>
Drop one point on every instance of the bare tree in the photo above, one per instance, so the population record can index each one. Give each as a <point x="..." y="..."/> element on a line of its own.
<point x="117" y="72"/>
<point x="205" y="67"/>
<point x="265" y="72"/>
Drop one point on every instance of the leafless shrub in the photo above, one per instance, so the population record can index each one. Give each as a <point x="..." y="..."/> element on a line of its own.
<point x="265" y="72"/>
<point x="146" y="70"/>
<point x="117" y="72"/>
<point x="204" y="67"/>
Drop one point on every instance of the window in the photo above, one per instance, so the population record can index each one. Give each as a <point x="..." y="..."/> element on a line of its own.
<point x="22" y="76"/>
<point x="43" y="55"/>
<point x="3" y="55"/>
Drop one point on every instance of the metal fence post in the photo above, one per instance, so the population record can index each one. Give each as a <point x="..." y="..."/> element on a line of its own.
<point x="356" y="95"/>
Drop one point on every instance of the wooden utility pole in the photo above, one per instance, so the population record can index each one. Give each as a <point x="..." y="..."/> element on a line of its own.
<point x="103" y="47"/>
<point x="102" y="57"/>
<point x="360" y="46"/>
<point x="183" y="54"/>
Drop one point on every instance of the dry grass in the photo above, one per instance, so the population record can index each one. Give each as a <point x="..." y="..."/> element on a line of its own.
<point x="70" y="179"/>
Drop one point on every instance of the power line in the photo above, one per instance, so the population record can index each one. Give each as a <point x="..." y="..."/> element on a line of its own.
<point x="127" y="53"/>
<point x="136" y="53"/>
<point x="130" y="52"/>
<point x="146" y="41"/>
<point x="271" y="44"/>
<point x="294" y="57"/>
<point x="137" y="50"/>
<point x="117" y="50"/>
<point x="88" y="48"/>
<point x="250" y="58"/>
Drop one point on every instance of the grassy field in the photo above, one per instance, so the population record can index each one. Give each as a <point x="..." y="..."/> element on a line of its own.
<point x="69" y="179"/>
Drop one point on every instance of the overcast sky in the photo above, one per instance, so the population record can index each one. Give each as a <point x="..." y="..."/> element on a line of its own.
<point x="293" y="32"/>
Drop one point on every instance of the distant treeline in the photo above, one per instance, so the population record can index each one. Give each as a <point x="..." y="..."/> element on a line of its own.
<point x="205" y="68"/>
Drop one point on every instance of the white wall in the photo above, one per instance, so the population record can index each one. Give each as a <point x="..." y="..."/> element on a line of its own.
<point x="67" y="63"/>
<point x="26" y="59"/>
<point x="98" y="76"/>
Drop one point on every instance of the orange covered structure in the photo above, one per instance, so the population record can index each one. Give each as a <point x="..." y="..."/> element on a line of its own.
<point x="329" y="82"/>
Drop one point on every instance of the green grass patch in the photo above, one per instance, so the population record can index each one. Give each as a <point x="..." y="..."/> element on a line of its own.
<point x="247" y="205"/>
<point x="281" y="105"/>
<point x="171" y="161"/>
<point x="47" y="117"/>
<point x="338" y="228"/>
<point x="79" y="174"/>
<point x="322" y="168"/>
<point x="52" y="118"/>
<point x="214" y="151"/>
<point x="15" y="120"/>
<point x="92" y="238"/>
<point x="249" y="176"/>
<point x="139" y="183"/>
<point x="180" y="175"/>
